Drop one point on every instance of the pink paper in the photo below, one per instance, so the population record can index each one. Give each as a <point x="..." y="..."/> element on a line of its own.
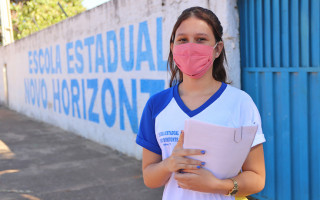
<point x="226" y="148"/>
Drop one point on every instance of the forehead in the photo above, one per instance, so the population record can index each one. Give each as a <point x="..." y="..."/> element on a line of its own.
<point x="194" y="25"/>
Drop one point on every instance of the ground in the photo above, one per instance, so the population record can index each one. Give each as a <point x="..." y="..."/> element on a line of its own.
<point x="42" y="162"/>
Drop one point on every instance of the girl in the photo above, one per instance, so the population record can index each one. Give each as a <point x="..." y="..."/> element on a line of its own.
<point x="197" y="90"/>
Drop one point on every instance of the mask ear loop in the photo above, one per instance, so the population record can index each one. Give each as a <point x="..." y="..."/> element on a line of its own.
<point x="217" y="54"/>
<point x="216" y="44"/>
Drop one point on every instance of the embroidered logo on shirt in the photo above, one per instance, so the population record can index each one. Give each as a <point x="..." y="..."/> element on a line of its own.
<point x="167" y="137"/>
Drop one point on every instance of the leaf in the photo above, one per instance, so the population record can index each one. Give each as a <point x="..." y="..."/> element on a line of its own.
<point x="44" y="12"/>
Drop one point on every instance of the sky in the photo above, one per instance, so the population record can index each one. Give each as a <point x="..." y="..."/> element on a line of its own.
<point x="88" y="4"/>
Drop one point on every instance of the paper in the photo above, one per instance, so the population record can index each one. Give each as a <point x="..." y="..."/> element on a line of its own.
<point x="226" y="148"/>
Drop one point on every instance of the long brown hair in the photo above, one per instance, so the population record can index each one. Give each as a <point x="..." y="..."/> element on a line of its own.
<point x="218" y="71"/>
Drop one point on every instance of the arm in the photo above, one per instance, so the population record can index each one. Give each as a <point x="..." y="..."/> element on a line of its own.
<point x="253" y="176"/>
<point x="156" y="172"/>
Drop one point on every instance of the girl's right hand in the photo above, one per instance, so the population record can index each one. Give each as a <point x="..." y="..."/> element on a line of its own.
<point x="178" y="161"/>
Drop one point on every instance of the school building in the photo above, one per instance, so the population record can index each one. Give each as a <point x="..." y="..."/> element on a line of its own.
<point x="93" y="73"/>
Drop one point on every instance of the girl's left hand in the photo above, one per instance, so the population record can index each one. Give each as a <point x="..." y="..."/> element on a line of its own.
<point x="200" y="180"/>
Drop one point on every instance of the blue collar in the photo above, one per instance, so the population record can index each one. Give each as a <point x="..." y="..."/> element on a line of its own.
<point x="192" y="113"/>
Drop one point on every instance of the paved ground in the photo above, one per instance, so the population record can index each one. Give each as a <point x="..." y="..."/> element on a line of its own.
<point x="40" y="161"/>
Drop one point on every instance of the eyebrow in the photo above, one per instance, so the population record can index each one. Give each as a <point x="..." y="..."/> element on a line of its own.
<point x="203" y="34"/>
<point x="198" y="34"/>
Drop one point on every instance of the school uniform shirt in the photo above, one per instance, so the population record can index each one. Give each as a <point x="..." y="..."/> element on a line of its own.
<point x="164" y="116"/>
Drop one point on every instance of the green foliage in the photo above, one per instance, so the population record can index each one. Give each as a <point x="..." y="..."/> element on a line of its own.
<point x="34" y="15"/>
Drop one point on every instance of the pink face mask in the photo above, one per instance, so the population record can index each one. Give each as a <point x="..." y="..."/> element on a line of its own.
<point x="193" y="59"/>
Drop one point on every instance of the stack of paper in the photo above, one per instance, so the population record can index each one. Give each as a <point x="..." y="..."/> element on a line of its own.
<point x="226" y="148"/>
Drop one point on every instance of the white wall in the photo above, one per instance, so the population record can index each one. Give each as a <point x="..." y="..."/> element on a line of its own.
<point x="65" y="50"/>
<point x="2" y="84"/>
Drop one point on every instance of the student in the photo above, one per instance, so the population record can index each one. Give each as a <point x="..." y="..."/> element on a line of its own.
<point x="197" y="90"/>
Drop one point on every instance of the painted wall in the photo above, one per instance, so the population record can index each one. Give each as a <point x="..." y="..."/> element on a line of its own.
<point x="93" y="73"/>
<point x="2" y="76"/>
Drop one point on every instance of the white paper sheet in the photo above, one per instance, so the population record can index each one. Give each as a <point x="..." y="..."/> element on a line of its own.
<point x="226" y="148"/>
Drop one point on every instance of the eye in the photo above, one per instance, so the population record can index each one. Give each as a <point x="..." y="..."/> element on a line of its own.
<point x="181" y="39"/>
<point x="201" y="39"/>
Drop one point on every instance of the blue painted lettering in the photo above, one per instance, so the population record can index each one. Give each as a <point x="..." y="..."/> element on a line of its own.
<point x="47" y="61"/>
<point x="145" y="55"/>
<point x="44" y="93"/>
<point x="112" y="65"/>
<point x="30" y="62"/>
<point x="93" y="84"/>
<point x="51" y="62"/>
<point x="65" y="97"/>
<point x="108" y="118"/>
<point x="41" y="66"/>
<point x="88" y="42"/>
<point x="84" y="100"/>
<point x="127" y="65"/>
<point x="58" y="60"/>
<point x="56" y="95"/>
<point x="75" y="95"/>
<point x="124" y="102"/>
<point x="32" y="92"/>
<point x="151" y="86"/>
<point x="162" y="64"/>
<point x="99" y="54"/>
<point x="35" y="62"/>
<point x="37" y="90"/>
<point x="69" y="46"/>
<point x="79" y="57"/>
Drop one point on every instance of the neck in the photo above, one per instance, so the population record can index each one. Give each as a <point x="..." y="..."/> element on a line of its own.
<point x="202" y="85"/>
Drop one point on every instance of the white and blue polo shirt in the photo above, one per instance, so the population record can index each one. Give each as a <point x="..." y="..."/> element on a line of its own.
<point x="164" y="116"/>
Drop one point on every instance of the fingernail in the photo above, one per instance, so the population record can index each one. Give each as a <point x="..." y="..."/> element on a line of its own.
<point x="198" y="167"/>
<point x="203" y="163"/>
<point x="203" y="152"/>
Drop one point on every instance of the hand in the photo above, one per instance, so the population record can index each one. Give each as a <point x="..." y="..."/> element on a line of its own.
<point x="200" y="180"/>
<point x="178" y="161"/>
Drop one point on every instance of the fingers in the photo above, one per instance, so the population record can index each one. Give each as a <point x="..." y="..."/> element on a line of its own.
<point x="179" y="151"/>
<point x="178" y="176"/>
<point x="185" y="166"/>
<point x="176" y="163"/>
<point x="180" y="141"/>
<point x="183" y="176"/>
<point x="187" y="163"/>
<point x="184" y="180"/>
<point x="189" y="152"/>
<point x="191" y="171"/>
<point x="178" y="159"/>
<point x="182" y="185"/>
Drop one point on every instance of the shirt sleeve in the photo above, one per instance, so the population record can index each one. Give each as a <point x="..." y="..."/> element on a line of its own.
<point x="146" y="136"/>
<point x="251" y="116"/>
<point x="259" y="138"/>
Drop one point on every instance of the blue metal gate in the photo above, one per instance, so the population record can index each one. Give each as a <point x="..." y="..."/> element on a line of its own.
<point x="280" y="60"/>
